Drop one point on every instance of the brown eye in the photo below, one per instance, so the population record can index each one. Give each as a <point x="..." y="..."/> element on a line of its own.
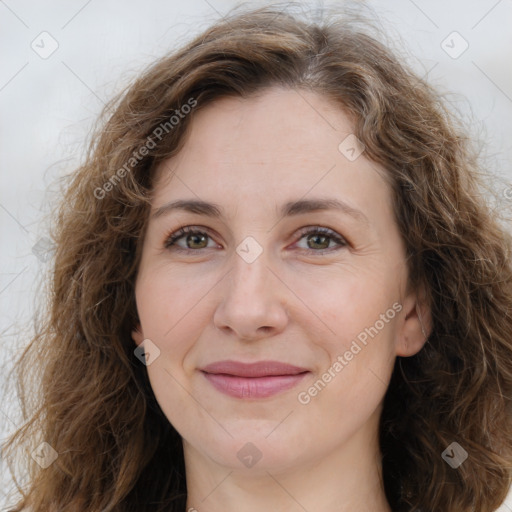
<point x="318" y="239"/>
<point x="198" y="241"/>
<point x="194" y="240"/>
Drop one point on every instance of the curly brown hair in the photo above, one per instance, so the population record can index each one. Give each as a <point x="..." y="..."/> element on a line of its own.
<point x="91" y="399"/>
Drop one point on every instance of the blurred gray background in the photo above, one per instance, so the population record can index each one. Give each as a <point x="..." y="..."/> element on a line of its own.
<point x="61" y="60"/>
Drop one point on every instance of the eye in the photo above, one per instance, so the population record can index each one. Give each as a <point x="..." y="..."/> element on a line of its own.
<point x="194" y="239"/>
<point x="318" y="239"/>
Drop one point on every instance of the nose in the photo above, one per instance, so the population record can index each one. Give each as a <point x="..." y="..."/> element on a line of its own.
<point x="254" y="299"/>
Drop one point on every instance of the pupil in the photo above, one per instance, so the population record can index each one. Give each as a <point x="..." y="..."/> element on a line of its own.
<point x="195" y="237"/>
<point x="316" y="237"/>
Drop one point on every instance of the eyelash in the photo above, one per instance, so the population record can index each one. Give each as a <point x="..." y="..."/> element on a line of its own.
<point x="171" y="240"/>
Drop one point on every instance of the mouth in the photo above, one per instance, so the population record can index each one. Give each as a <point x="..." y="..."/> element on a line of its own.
<point x="262" y="379"/>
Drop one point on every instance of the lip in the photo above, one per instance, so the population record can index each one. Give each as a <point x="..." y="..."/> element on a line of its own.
<point x="253" y="380"/>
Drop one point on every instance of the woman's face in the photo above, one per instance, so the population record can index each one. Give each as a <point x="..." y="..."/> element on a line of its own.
<point x="275" y="321"/>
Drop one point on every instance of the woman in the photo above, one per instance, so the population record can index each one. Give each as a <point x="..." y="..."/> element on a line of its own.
<point x="277" y="286"/>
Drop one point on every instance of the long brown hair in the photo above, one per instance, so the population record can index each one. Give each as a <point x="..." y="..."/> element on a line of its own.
<point x="94" y="405"/>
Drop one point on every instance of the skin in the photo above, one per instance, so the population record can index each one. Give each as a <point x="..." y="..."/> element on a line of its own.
<point x="302" y="301"/>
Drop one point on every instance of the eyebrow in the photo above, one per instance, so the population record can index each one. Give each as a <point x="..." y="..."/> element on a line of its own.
<point x="289" y="209"/>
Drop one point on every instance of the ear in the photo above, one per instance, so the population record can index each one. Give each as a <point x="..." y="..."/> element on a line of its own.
<point x="416" y="325"/>
<point x="137" y="334"/>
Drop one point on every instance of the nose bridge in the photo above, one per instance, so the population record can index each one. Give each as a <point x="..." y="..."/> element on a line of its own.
<point x="248" y="277"/>
<point x="250" y="264"/>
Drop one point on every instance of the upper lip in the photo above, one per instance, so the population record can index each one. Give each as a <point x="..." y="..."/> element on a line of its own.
<point x="257" y="369"/>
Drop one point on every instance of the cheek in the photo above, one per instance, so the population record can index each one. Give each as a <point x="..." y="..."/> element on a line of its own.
<point x="351" y="385"/>
<point x="347" y="304"/>
<point x="358" y="340"/>
<point x="172" y="319"/>
<point x="169" y="314"/>
<point x="166" y="297"/>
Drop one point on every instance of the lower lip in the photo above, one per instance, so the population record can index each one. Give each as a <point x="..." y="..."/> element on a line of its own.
<point x="253" y="387"/>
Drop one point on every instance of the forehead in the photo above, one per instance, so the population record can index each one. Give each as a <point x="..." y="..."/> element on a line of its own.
<point x="281" y="143"/>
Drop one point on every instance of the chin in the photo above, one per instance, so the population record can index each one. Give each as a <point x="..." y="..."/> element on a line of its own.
<point x="249" y="450"/>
